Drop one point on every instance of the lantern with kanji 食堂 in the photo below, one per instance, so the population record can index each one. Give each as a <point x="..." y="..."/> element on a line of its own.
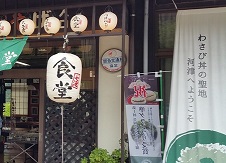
<point x="63" y="77"/>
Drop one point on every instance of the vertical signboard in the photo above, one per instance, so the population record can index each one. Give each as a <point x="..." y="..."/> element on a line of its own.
<point x="143" y="123"/>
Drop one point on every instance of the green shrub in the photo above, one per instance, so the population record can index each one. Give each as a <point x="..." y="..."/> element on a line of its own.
<point x="116" y="155"/>
<point x="99" y="155"/>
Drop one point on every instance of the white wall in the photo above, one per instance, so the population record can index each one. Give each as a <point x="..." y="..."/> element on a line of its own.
<point x="109" y="97"/>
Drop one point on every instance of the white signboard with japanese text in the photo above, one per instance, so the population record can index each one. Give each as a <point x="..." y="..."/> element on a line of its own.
<point x="196" y="131"/>
<point x="112" y="60"/>
<point x="143" y="123"/>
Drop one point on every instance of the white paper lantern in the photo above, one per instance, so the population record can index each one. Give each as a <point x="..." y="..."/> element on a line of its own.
<point x="5" y="28"/>
<point x="26" y="27"/>
<point x="63" y="80"/>
<point x="78" y="23"/>
<point x="108" y="21"/>
<point x="52" y="25"/>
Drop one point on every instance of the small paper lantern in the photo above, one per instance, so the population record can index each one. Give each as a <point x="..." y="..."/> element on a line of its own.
<point x="5" y="28"/>
<point x="78" y="23"/>
<point x="52" y="25"/>
<point x="26" y="27"/>
<point x="63" y="78"/>
<point x="108" y="21"/>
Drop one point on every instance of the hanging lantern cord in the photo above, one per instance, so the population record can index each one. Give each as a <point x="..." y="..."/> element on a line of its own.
<point x="108" y="9"/>
<point x="3" y="17"/>
<point x="79" y="11"/>
<point x="65" y="42"/>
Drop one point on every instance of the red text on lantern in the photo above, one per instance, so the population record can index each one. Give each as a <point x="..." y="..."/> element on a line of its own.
<point x="75" y="81"/>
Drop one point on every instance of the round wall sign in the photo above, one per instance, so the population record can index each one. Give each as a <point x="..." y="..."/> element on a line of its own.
<point x="112" y="60"/>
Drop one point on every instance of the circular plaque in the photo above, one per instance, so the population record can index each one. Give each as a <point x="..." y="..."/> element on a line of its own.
<point x="112" y="60"/>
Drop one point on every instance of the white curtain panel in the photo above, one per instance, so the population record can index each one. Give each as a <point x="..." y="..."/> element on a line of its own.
<point x="196" y="127"/>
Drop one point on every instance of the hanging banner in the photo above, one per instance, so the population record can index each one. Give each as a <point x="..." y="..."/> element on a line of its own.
<point x="143" y="123"/>
<point x="196" y="132"/>
<point x="10" y="51"/>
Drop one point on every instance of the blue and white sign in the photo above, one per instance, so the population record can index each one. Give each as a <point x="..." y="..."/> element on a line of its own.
<point x="112" y="60"/>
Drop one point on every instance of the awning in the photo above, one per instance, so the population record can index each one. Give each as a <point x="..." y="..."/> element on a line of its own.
<point x="10" y="51"/>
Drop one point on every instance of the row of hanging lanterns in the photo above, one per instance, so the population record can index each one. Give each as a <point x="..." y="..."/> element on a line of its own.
<point x="78" y="24"/>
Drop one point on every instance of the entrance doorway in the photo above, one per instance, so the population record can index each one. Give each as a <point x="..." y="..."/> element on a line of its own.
<point x="20" y="119"/>
<point x="33" y="105"/>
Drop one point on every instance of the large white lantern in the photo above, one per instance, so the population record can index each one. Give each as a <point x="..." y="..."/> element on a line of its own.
<point x="78" y="23"/>
<point x="5" y="28"/>
<point x="63" y="77"/>
<point x="108" y="21"/>
<point x="52" y="25"/>
<point x="26" y="27"/>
